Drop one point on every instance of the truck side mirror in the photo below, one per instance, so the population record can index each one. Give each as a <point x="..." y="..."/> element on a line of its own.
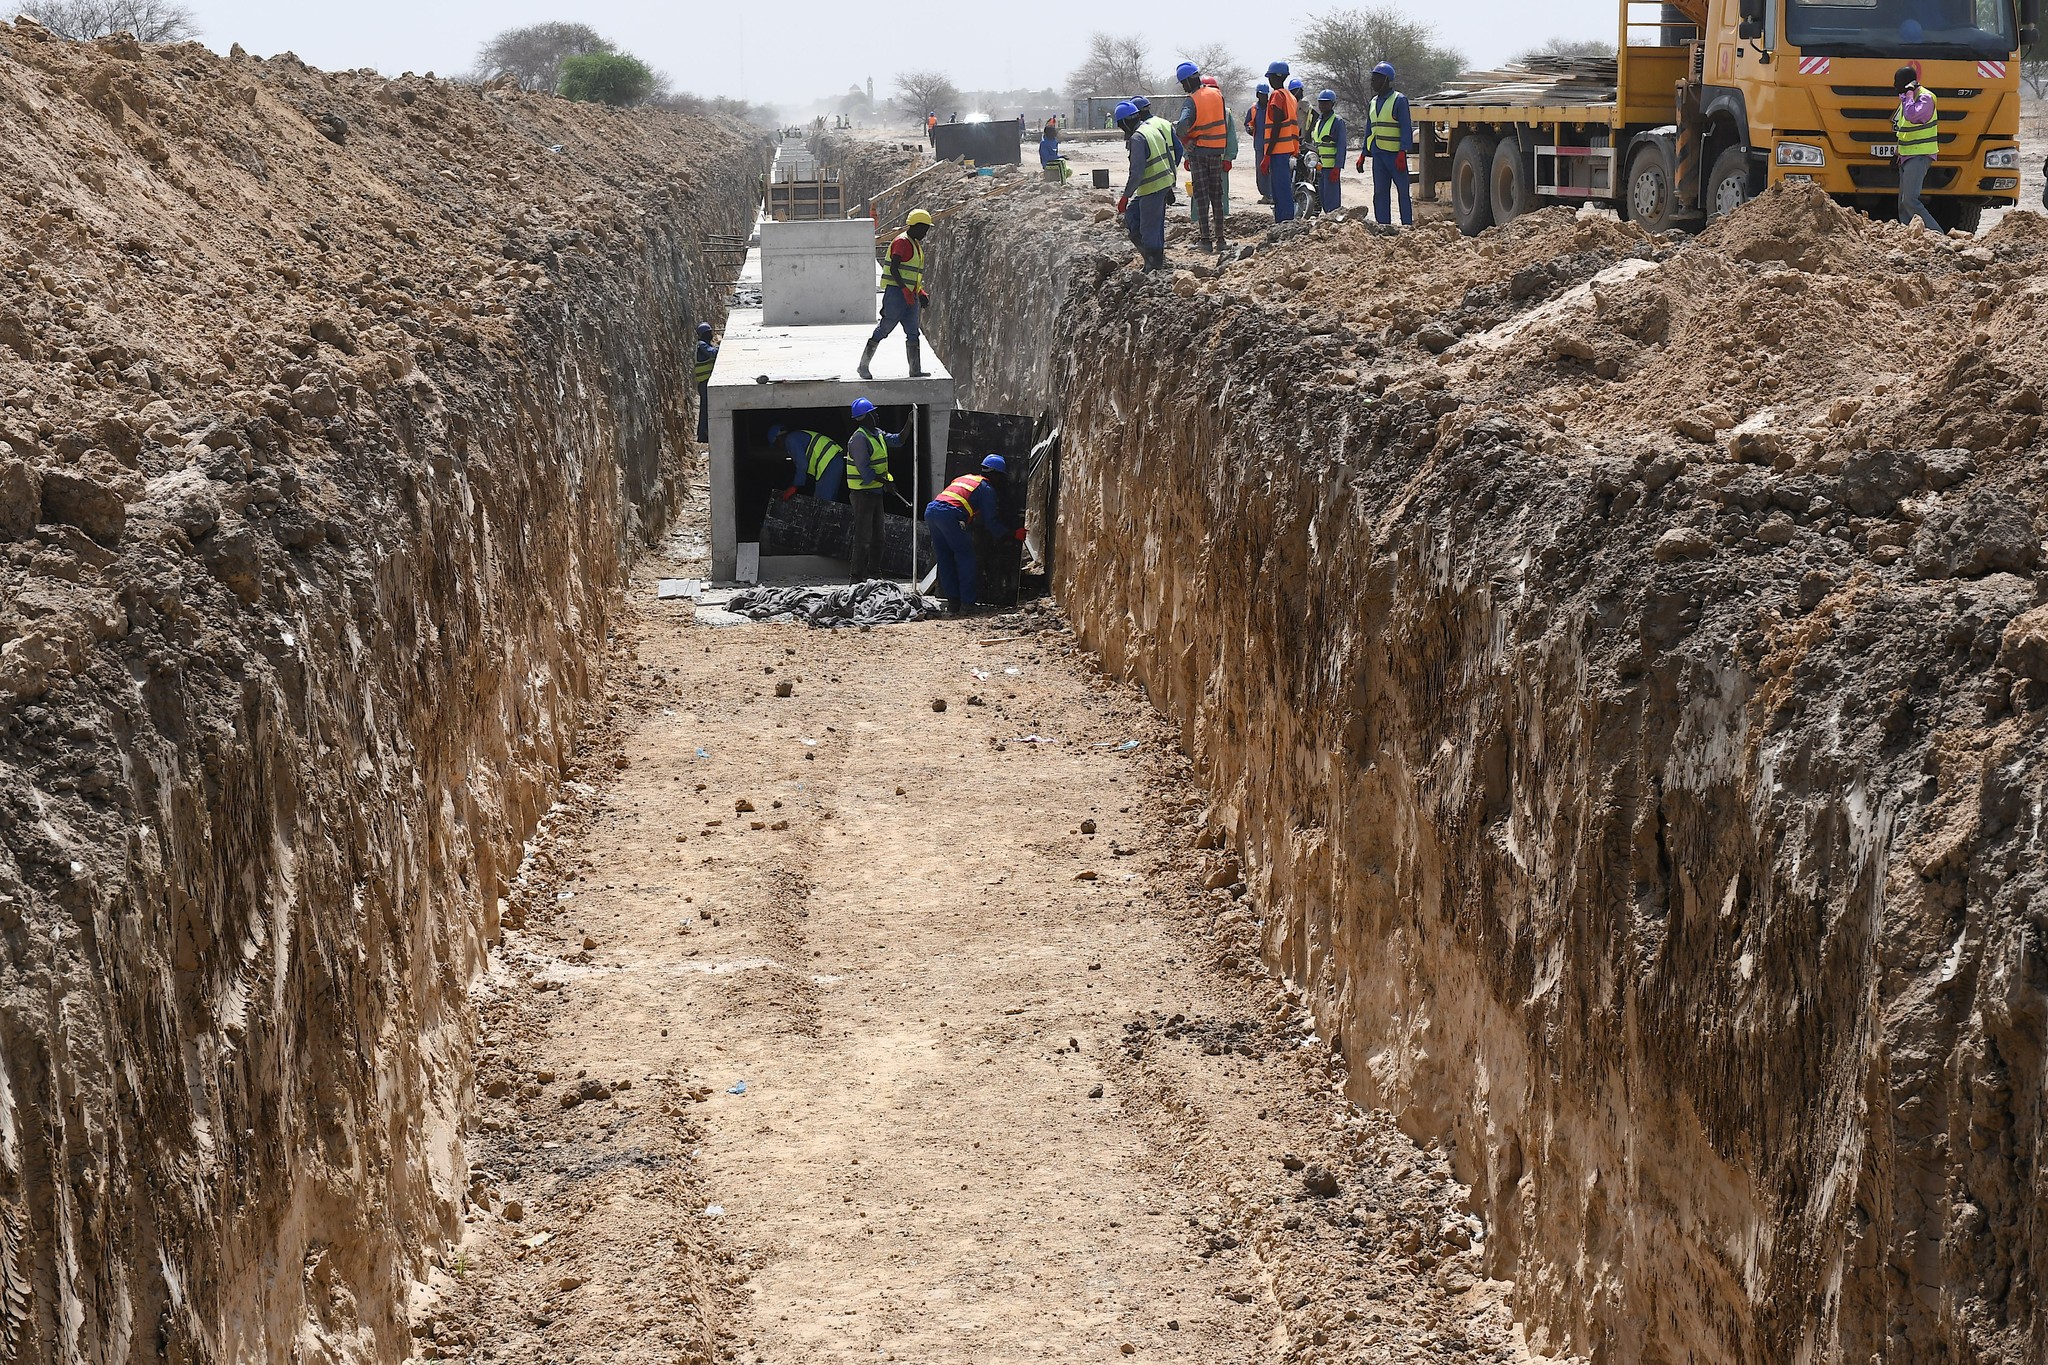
<point x="1750" y="30"/>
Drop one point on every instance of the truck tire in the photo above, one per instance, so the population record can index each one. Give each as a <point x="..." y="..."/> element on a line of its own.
<point x="1514" y="187"/>
<point x="1956" y="215"/>
<point x="1471" y="184"/>
<point x="1732" y="182"/>
<point x="1652" y="201"/>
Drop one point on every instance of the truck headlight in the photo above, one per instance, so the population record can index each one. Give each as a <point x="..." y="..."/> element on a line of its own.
<point x="2002" y="182"/>
<point x="2004" y="159"/>
<point x="1801" y="154"/>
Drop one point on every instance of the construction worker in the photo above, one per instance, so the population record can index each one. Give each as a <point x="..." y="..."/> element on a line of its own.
<point x="869" y="481"/>
<point x="1204" y="129"/>
<point x="1389" y="133"/>
<point x="707" y="360"/>
<point x="1917" y="125"/>
<point x="1143" y="205"/>
<point x="1051" y="163"/>
<point x="931" y="125"/>
<point x="970" y="501"/>
<point x="818" y="461"/>
<point x="1283" y="143"/>
<point x="1255" y="124"/>
<point x="1327" y="138"/>
<point x="903" y="295"/>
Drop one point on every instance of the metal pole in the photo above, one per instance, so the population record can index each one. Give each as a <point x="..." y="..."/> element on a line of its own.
<point x="916" y="478"/>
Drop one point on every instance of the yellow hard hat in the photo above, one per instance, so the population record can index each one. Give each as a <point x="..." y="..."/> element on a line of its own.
<point x="917" y="217"/>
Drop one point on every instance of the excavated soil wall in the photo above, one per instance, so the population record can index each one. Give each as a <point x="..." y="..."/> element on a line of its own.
<point x="1620" y="666"/>
<point x="334" y="408"/>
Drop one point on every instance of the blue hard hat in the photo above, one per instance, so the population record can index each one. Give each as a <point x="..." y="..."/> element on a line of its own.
<point x="1277" y="69"/>
<point x="1294" y="85"/>
<point x="1327" y="97"/>
<point x="862" y="407"/>
<point x="1264" y="89"/>
<point x="1384" y="69"/>
<point x="774" y="434"/>
<point x="1187" y="71"/>
<point x="1140" y="103"/>
<point x="1125" y="110"/>
<point x="995" y="464"/>
<point x="704" y="330"/>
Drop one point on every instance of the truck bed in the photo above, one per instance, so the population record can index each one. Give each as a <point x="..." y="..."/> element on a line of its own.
<point x="1540" y="82"/>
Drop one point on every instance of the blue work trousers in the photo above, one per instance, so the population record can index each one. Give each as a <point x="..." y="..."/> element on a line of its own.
<point x="1330" y="190"/>
<point x="1280" y="175"/>
<point x="1145" y="220"/>
<point x="896" y="313"/>
<point x="704" y="411"/>
<point x="953" y="552"/>
<point x="1387" y="175"/>
<point x="1265" y="179"/>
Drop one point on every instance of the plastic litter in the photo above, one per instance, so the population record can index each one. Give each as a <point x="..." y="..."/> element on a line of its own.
<point x="737" y="1088"/>
<point x="714" y="1210"/>
<point x="702" y="752"/>
<point x="1033" y="739"/>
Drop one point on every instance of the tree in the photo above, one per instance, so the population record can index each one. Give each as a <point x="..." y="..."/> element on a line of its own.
<point x="1568" y="47"/>
<point x="150" y="21"/>
<point x="533" y="55"/>
<point x="1232" y="75"/>
<point x="921" y="92"/>
<point x="2034" y="69"/>
<point x="608" y="78"/>
<point x="1113" y="66"/>
<point x="1341" y="48"/>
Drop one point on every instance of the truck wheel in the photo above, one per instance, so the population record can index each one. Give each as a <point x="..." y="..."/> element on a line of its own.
<point x="1732" y="183"/>
<point x="1956" y="215"/>
<point x="1471" y="184"/>
<point x="1652" y="203"/>
<point x="1514" y="191"/>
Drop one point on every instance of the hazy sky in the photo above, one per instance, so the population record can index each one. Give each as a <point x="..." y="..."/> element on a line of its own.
<point x="796" y="51"/>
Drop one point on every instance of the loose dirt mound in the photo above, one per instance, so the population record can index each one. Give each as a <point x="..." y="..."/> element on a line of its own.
<point x="330" y="405"/>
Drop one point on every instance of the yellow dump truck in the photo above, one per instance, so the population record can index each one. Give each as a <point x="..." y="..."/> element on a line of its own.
<point x="1708" y="101"/>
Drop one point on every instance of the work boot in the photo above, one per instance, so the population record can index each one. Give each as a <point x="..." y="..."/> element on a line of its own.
<point x="1204" y="244"/>
<point x="866" y="358"/>
<point x="1155" y="258"/>
<point x="915" y="349"/>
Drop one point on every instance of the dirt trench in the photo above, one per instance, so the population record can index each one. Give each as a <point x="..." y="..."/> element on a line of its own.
<point x="1616" y="659"/>
<point x="335" y="409"/>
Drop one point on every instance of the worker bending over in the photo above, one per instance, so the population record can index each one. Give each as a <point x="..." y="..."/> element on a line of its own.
<point x="1143" y="205"/>
<point x="818" y="460"/>
<point x="1327" y="138"/>
<point x="903" y="294"/>
<point x="1204" y="129"/>
<point x="1386" y="141"/>
<point x="707" y="360"/>
<point x="969" y="501"/>
<point x="869" y="481"/>
<point x="1283" y="143"/>
<point x="1917" y="124"/>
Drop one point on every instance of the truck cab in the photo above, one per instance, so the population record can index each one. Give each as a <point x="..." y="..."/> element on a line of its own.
<point x="1712" y="101"/>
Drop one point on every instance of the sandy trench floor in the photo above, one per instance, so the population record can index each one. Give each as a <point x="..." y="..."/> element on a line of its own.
<point x="1012" y="1091"/>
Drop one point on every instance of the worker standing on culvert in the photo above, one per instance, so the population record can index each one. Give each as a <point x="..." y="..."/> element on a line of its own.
<point x="1204" y="129"/>
<point x="869" y="481"/>
<point x="1917" y="123"/>
<point x="903" y="295"/>
<point x="969" y="502"/>
<point x="1255" y="124"/>
<point x="1328" y="138"/>
<point x="707" y="360"/>
<point x="1283" y="143"/>
<point x="1144" y="203"/>
<point x="1387" y="137"/>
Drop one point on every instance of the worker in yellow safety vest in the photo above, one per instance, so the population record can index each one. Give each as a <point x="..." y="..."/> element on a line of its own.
<point x="869" y="481"/>
<point x="817" y="462"/>
<point x="903" y="294"/>
<point x="1390" y="128"/>
<point x="1143" y="205"/>
<point x="1327" y="138"/>
<point x="707" y="359"/>
<point x="1917" y="125"/>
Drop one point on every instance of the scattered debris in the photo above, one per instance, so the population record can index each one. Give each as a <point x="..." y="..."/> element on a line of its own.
<point x="873" y="603"/>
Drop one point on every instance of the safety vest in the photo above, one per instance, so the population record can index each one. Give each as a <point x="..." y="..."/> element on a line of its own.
<point x="960" y="493"/>
<point x="1919" y="139"/>
<point x="910" y="273"/>
<point x="1283" y="132"/>
<point x="823" y="451"/>
<point x="1386" y="124"/>
<point x="707" y="356"/>
<point x="1212" y="120"/>
<point x="1322" y="134"/>
<point x="878" y="461"/>
<point x="1157" y="135"/>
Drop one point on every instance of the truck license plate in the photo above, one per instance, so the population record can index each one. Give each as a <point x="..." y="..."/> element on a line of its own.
<point x="1884" y="151"/>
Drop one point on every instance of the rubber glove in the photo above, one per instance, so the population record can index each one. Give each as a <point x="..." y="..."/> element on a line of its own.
<point x="1401" y="162"/>
<point x="1333" y="175"/>
<point x="1020" y="535"/>
<point x="1123" y="205"/>
<point x="909" y="297"/>
<point x="923" y="298"/>
<point x="1361" y="163"/>
<point x="1226" y="168"/>
<point x="1265" y="165"/>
